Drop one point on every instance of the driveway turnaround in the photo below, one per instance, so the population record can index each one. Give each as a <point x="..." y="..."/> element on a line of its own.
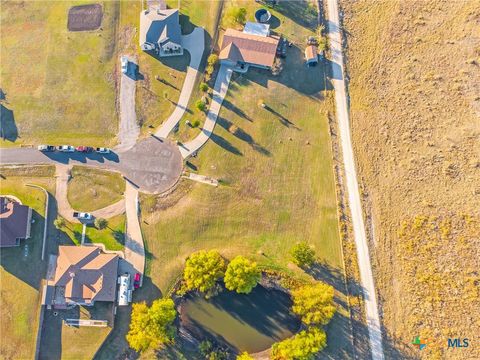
<point x="154" y="165"/>
<point x="65" y="209"/>
<point x="366" y="277"/>
<point x="128" y="130"/>
<point x="220" y="90"/>
<point x="195" y="44"/>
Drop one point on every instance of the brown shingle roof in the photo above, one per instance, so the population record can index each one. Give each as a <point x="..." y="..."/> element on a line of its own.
<point x="86" y="273"/>
<point x="311" y="52"/>
<point x="248" y="48"/>
<point x="14" y="222"/>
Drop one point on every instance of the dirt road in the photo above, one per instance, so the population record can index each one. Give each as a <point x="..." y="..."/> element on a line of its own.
<point x="366" y="277"/>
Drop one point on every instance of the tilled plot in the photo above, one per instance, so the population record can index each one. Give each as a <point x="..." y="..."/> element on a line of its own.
<point x="85" y="17"/>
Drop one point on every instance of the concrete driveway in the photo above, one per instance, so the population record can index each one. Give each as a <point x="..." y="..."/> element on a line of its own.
<point x="194" y="43"/>
<point x="128" y="129"/>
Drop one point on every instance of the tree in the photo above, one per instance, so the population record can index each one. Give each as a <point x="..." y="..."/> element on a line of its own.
<point x="244" y="356"/>
<point x="100" y="223"/>
<point x="212" y="60"/>
<point x="242" y="275"/>
<point x="314" y="303"/>
<point x="200" y="105"/>
<point x="302" y="346"/>
<point x="152" y="327"/>
<point x="236" y="15"/>
<point x="59" y="223"/>
<point x="203" y="269"/>
<point x="302" y="254"/>
<point x="203" y="87"/>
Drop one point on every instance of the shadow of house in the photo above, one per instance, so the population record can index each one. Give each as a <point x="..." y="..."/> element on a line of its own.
<point x="310" y="81"/>
<point x="116" y="342"/>
<point x="24" y="261"/>
<point x="8" y="128"/>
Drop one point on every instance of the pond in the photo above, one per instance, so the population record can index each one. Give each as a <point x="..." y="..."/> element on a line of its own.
<point x="250" y="322"/>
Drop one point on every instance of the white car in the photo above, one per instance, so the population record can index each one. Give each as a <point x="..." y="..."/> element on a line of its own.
<point x="102" y="150"/>
<point x="46" y="148"/>
<point x="82" y="215"/>
<point x="124" y="61"/>
<point x="66" y="148"/>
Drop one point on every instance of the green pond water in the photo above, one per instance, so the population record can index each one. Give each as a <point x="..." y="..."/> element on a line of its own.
<point x="250" y="322"/>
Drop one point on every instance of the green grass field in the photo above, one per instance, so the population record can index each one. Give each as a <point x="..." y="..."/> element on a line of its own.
<point x="276" y="168"/>
<point x="92" y="189"/>
<point x="60" y="85"/>
<point x="20" y="275"/>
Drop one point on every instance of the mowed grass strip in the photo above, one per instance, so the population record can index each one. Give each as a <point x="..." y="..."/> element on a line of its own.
<point x="21" y="272"/>
<point x="92" y="189"/>
<point x="60" y="85"/>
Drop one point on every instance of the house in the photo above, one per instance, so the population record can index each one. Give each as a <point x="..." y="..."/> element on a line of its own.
<point x="311" y="55"/>
<point x="160" y="31"/>
<point x="242" y="50"/>
<point x="15" y="222"/>
<point x="84" y="275"/>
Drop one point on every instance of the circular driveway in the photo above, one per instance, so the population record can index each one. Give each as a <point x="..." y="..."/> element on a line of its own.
<point x="153" y="165"/>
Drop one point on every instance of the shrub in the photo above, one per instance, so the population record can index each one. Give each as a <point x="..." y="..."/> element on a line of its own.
<point x="59" y="222"/>
<point x="203" y="269"/>
<point x="152" y="327"/>
<point x="302" y="346"/>
<point x="235" y="15"/>
<point x="100" y="223"/>
<point x="203" y="87"/>
<point x="200" y="105"/>
<point x="314" y="303"/>
<point x="242" y="275"/>
<point x="196" y="123"/>
<point x="212" y="60"/>
<point x="302" y="254"/>
<point x="244" y="356"/>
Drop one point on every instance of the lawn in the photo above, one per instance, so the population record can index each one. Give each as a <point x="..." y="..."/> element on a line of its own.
<point x="21" y="271"/>
<point x="60" y="85"/>
<point x="74" y="343"/>
<point x="92" y="189"/>
<point x="112" y="236"/>
<point x="294" y="20"/>
<point x="156" y="100"/>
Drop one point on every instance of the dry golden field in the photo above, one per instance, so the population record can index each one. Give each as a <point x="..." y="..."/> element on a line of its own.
<point x="414" y="69"/>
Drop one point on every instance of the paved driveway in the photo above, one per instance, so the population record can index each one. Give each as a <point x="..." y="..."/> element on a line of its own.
<point x="128" y="129"/>
<point x="153" y="165"/>
<point x="194" y="43"/>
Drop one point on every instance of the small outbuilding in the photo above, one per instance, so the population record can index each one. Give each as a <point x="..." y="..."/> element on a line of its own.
<point x="311" y="55"/>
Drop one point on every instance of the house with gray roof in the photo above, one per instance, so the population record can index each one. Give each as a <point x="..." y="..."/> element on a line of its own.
<point x="160" y="31"/>
<point x="15" y="221"/>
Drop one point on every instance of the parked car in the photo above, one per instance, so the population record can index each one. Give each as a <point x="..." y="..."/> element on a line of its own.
<point x="46" y="148"/>
<point x="66" y="148"/>
<point x="282" y="48"/>
<point x="82" y="215"/>
<point x="136" y="280"/>
<point x="84" y="149"/>
<point x="102" y="150"/>
<point x="124" y="61"/>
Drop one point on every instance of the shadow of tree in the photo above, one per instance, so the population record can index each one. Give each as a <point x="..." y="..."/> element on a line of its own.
<point x="220" y="141"/>
<point x="242" y="135"/>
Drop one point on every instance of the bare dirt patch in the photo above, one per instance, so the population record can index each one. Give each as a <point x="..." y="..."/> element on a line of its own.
<point x="85" y="17"/>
